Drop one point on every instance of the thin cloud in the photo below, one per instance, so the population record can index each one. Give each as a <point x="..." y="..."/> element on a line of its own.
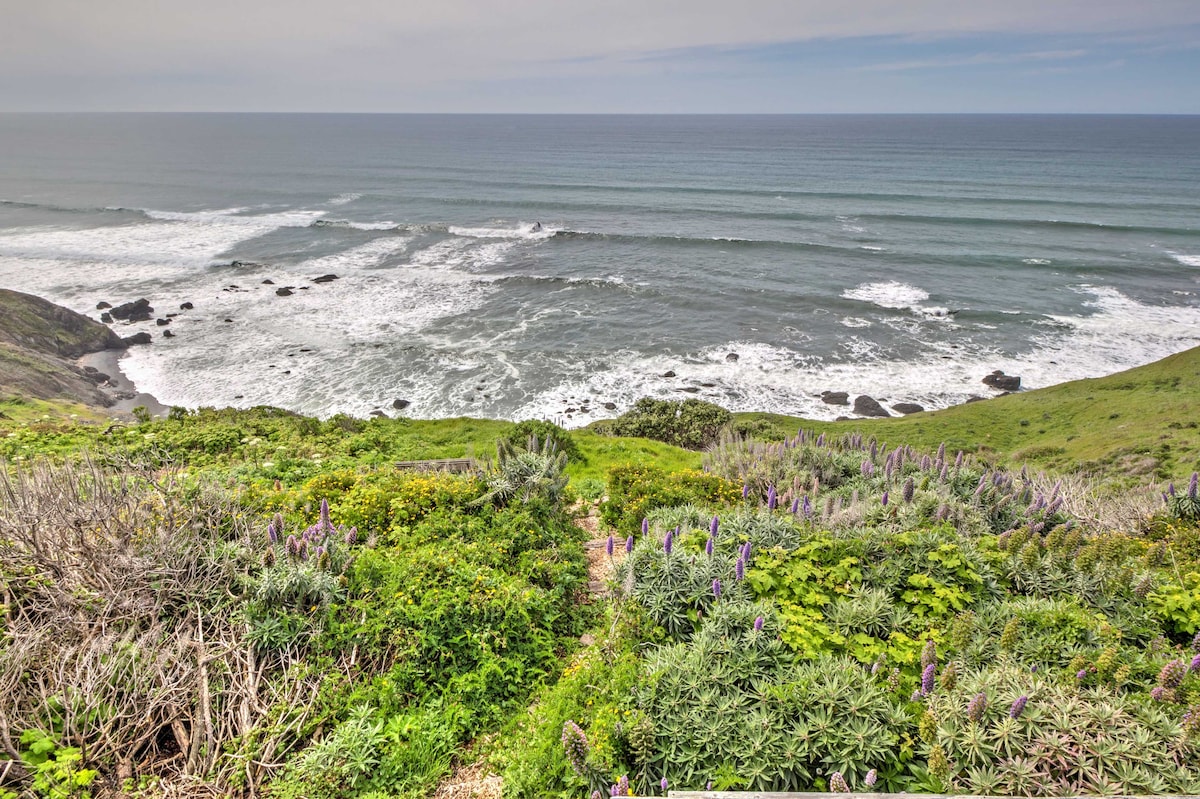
<point x="977" y="59"/>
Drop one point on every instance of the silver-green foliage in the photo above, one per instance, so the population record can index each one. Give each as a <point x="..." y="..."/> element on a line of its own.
<point x="1065" y="741"/>
<point x="535" y="471"/>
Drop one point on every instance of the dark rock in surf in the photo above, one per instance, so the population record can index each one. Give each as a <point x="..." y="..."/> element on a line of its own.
<point x="400" y="404"/>
<point x="136" y="311"/>
<point x="103" y="306"/>
<point x="284" y="292"/>
<point x="106" y="318"/>
<point x="907" y="408"/>
<point x="869" y="406"/>
<point x="162" y="322"/>
<point x="610" y="406"/>
<point x="268" y="282"/>
<point x="168" y="334"/>
<point x="137" y="338"/>
<point x="668" y="374"/>
<point x="325" y="279"/>
<point x="835" y="397"/>
<point x="732" y="357"/>
<point x="691" y="389"/>
<point x="187" y="306"/>
<point x="1003" y="382"/>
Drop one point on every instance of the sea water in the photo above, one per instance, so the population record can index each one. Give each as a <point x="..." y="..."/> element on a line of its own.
<point x="561" y="267"/>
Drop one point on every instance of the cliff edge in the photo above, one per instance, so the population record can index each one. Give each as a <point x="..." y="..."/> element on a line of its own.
<point x="39" y="342"/>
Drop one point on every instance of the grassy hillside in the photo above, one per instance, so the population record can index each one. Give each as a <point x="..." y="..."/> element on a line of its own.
<point x="38" y="342"/>
<point x="1138" y="424"/>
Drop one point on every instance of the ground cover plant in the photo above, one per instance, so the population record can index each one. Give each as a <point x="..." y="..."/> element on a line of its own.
<point x="323" y="632"/>
<point x="252" y="602"/>
<point x="872" y="617"/>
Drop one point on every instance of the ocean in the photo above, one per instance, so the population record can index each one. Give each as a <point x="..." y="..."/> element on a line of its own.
<point x="561" y="267"/>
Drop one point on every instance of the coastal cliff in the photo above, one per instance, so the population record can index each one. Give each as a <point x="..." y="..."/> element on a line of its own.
<point x="39" y="342"/>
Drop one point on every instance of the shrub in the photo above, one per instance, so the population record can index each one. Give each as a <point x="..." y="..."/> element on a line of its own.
<point x="546" y="431"/>
<point x="633" y="491"/>
<point x="690" y="423"/>
<point x="534" y="471"/>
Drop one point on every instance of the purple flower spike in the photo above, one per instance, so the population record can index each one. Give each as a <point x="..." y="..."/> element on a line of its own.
<point x="623" y="785"/>
<point x="668" y="541"/>
<point x="746" y="551"/>
<point x="713" y="525"/>
<point x="645" y="526"/>
<point x="628" y="545"/>
<point x="1018" y="707"/>
<point x="739" y="571"/>
<point x="807" y="506"/>
<point x="927" y="679"/>
<point x="1196" y="643"/>
<point x="745" y="490"/>
<point x="1194" y="485"/>
<point x="884" y="499"/>
<point x="1157" y="693"/>
<point x="837" y="783"/>
<point x="708" y="547"/>
<point x="575" y="743"/>
<point x="272" y="534"/>
<point x="608" y="546"/>
<point x="326" y="525"/>
<point x="1033" y="669"/>
<point x="716" y="589"/>
<point x="351" y="536"/>
<point x="664" y="784"/>
<point x="293" y="546"/>
<point x="1195" y="664"/>
<point x="708" y="785"/>
<point x="871" y="778"/>
<point x="758" y="624"/>
<point x="772" y="498"/>
<point x="795" y="505"/>
<point x="977" y="707"/>
<point x="909" y="488"/>
<point x="1171" y="489"/>
<point x="1081" y="674"/>
<point x="614" y="790"/>
<point x="596" y="795"/>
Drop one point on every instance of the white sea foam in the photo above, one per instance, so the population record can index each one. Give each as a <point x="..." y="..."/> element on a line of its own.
<point x="855" y="321"/>
<point x="346" y="223"/>
<point x="1036" y="261"/>
<point x="888" y="294"/>
<point x="1120" y="333"/>
<point x="344" y="199"/>
<point x="871" y="248"/>
<point x="373" y="253"/>
<point x="1186" y="260"/>
<point x="524" y="230"/>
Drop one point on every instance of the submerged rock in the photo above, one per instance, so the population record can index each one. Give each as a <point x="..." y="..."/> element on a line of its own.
<point x="907" y="407"/>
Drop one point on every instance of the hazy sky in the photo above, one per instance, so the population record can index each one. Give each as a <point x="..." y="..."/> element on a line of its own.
<point x="1136" y="56"/>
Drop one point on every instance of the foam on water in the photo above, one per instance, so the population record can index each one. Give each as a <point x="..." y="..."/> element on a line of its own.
<point x="1186" y="260"/>
<point x="524" y="230"/>
<point x="888" y="294"/>
<point x="1120" y="334"/>
<point x="1036" y="261"/>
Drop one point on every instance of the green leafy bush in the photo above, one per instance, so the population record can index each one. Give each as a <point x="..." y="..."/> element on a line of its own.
<point x="689" y="423"/>
<point x="633" y="491"/>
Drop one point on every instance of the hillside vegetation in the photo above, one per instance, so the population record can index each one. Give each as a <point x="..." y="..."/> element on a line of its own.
<point x="253" y="602"/>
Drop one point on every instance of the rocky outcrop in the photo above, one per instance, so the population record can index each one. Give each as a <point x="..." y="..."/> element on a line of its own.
<point x="136" y="311"/>
<point x="835" y="397"/>
<point x="325" y="279"/>
<point x="1002" y="382"/>
<point x="869" y="406"/>
<point x="907" y="407"/>
<point x="39" y="342"/>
